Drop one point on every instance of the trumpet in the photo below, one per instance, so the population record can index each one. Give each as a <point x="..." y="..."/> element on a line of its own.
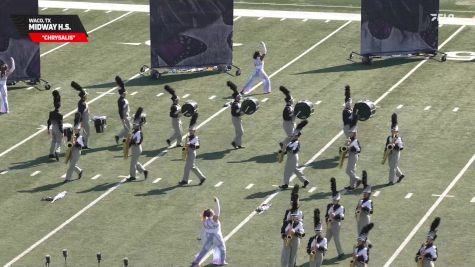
<point x="389" y="149"/>
<point x="343" y="152"/>
<point x="69" y="151"/>
<point x="184" y="152"/>
<point x="127" y="146"/>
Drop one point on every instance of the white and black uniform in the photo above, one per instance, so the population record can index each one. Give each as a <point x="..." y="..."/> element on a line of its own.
<point x="123" y="105"/>
<point x="190" y="165"/>
<point x="288" y="122"/>
<point x="55" y="120"/>
<point x="353" y="154"/>
<point x="393" y="158"/>
<point x="289" y="252"/>
<point x="349" y="121"/>
<point x="83" y="108"/>
<point x="291" y="165"/>
<point x="75" y="154"/>
<point x="335" y="213"/>
<point x="175" y="114"/>
<point x="258" y="73"/>
<point x="365" y="208"/>
<point x="236" y="114"/>
<point x="136" y="147"/>
<point x="362" y="256"/>
<point x="316" y="243"/>
<point x="429" y="252"/>
<point x="3" y="88"/>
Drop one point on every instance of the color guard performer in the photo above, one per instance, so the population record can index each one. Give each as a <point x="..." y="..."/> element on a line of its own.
<point x="83" y="108"/>
<point x="5" y="71"/>
<point x="427" y="254"/>
<point x="288" y="116"/>
<point x="190" y="153"/>
<point x="291" y="165"/>
<point x="175" y="114"/>
<point x="364" y="208"/>
<point x="354" y="149"/>
<point x="236" y="114"/>
<point x="317" y="245"/>
<point x="55" y="120"/>
<point x="75" y="150"/>
<point x="123" y="105"/>
<point x="259" y="72"/>
<point x="291" y="231"/>
<point x="361" y="251"/>
<point x="335" y="214"/>
<point x="392" y="151"/>
<point x="349" y="117"/>
<point x="213" y="237"/>
<point x="136" y="146"/>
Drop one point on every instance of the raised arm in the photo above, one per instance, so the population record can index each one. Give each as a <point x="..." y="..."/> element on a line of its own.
<point x="12" y="66"/>
<point x="217" y="211"/>
<point x="264" y="50"/>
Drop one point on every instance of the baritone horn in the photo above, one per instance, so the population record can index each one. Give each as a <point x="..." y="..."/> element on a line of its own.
<point x="69" y="152"/>
<point x="344" y="152"/>
<point x="127" y="146"/>
<point x="184" y="152"/>
<point x="389" y="149"/>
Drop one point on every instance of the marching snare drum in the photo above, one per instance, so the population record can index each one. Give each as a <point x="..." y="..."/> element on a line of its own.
<point x="250" y="105"/>
<point x="366" y="109"/>
<point x="303" y="109"/>
<point x="189" y="108"/>
<point x="100" y="122"/>
<point x="68" y="131"/>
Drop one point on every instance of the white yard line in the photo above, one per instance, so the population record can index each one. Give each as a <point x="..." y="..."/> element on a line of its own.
<point x="455" y="109"/>
<point x="44" y="8"/>
<point x="63" y="176"/>
<point x="304" y="20"/>
<point x="427" y="108"/>
<point x="243" y="12"/>
<point x="66" y="9"/>
<point x="435" y="195"/>
<point x="264" y="100"/>
<point x="35" y="173"/>
<point x="249" y="186"/>
<point x="185" y="96"/>
<point x="87" y="10"/>
<point x="29" y="88"/>
<point x="108" y="11"/>
<point x="4" y="172"/>
<point x="95" y="177"/>
<point x="260" y="18"/>
<point x="326" y="21"/>
<point x="212" y="97"/>
<point x="65" y="116"/>
<point x="400" y="106"/>
<point x="318" y="102"/>
<point x="323" y="149"/>
<point x="156" y="180"/>
<point x="134" y="93"/>
<point x="236" y="18"/>
<point x="312" y="189"/>
<point x="282" y="19"/>
<point x="91" y="31"/>
<point x="409" y="195"/>
<point x="159" y="95"/>
<point x="376" y="193"/>
<point x="218" y="184"/>
<point x="429" y="212"/>
<point x="473" y="200"/>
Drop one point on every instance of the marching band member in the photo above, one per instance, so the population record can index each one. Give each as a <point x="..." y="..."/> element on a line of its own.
<point x="354" y="149"/>
<point x="288" y="116"/>
<point x="236" y="114"/>
<point x="364" y="208"/>
<point x="349" y="117"/>
<point x="77" y="144"/>
<point x="361" y="252"/>
<point x="335" y="214"/>
<point x="294" y="209"/>
<point x="175" y="114"/>
<point x="190" y="149"/>
<point x="213" y="237"/>
<point x="291" y="165"/>
<point x="55" y="120"/>
<point x="123" y="105"/>
<point x="259" y="72"/>
<point x="5" y="71"/>
<point x="83" y="108"/>
<point x="393" y="148"/>
<point x="317" y="245"/>
<point x="136" y="147"/>
<point x="427" y="254"/>
<point x="291" y="231"/>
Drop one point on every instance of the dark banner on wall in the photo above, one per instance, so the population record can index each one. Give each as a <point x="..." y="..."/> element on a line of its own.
<point x="13" y="44"/>
<point x="390" y="27"/>
<point x="191" y="33"/>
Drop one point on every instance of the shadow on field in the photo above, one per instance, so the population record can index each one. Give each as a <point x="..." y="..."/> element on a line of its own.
<point x="98" y="188"/>
<point x="42" y="188"/>
<point x="319" y="195"/>
<point x="335" y="260"/>
<point x="325" y="163"/>
<point x="31" y="163"/>
<point x="154" y="153"/>
<point x="261" y="194"/>
<point x="267" y="158"/>
<point x="146" y="80"/>
<point x="214" y="155"/>
<point x="155" y="192"/>
<point x="377" y="64"/>
<point x="97" y="149"/>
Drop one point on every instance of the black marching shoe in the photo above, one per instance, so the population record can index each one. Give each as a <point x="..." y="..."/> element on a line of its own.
<point x="56" y="156"/>
<point x="116" y="139"/>
<point x="51" y="156"/>
<point x="179" y="145"/>
<point x="358" y="183"/>
<point x="80" y="175"/>
<point x="305" y="184"/>
<point x="284" y="186"/>
<point x="85" y="147"/>
<point x="234" y="144"/>
<point x="241" y="147"/>
<point x="202" y="181"/>
<point x="182" y="183"/>
<point x="130" y="179"/>
<point x="390" y="183"/>
<point x="341" y="256"/>
<point x="349" y="188"/>
<point x="400" y="178"/>
<point x="145" y="174"/>
<point x="169" y="142"/>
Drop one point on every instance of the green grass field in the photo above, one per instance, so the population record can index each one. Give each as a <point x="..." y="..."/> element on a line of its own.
<point x="156" y="224"/>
